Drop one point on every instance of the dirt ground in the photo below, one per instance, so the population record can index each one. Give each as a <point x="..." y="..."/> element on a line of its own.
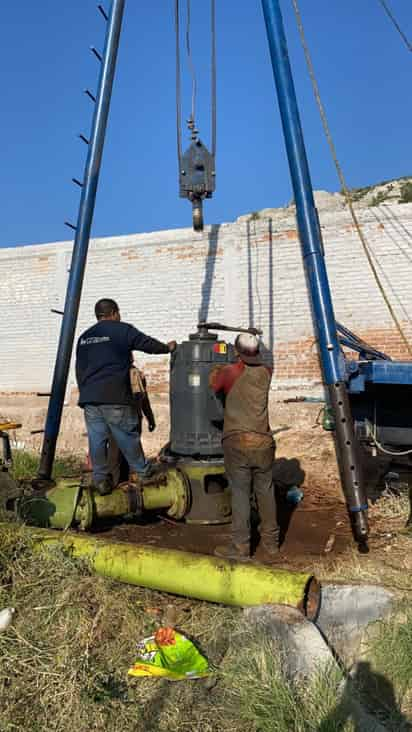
<point x="304" y="456"/>
<point x="308" y="531"/>
<point x="317" y="529"/>
<point x="316" y="539"/>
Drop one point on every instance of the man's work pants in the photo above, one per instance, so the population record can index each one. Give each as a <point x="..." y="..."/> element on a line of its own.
<point x="250" y="468"/>
<point x="120" y="422"/>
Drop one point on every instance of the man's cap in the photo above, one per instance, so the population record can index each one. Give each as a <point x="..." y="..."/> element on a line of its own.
<point x="247" y="346"/>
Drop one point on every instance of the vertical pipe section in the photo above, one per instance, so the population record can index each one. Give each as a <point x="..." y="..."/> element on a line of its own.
<point x="331" y="358"/>
<point x="81" y="242"/>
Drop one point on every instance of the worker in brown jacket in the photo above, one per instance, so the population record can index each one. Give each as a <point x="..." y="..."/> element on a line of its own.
<point x="248" y="447"/>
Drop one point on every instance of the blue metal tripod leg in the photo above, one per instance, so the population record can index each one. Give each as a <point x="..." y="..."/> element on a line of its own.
<point x="323" y="316"/>
<point x="81" y="242"/>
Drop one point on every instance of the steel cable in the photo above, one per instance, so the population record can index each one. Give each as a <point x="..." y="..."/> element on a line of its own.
<point x="191" y="65"/>
<point x="391" y="16"/>
<point x="193" y="75"/>
<point x="178" y="87"/>
<point x="213" y="79"/>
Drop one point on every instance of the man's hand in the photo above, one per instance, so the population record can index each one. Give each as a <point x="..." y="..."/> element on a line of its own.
<point x="172" y="346"/>
<point x="151" y="425"/>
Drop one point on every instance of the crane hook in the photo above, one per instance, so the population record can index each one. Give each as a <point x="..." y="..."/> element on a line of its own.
<point x="197" y="213"/>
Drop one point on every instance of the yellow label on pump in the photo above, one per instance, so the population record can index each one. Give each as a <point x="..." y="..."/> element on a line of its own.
<point x="220" y="348"/>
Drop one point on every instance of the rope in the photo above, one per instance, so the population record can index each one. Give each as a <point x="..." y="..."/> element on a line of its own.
<point x="341" y="177"/>
<point x="391" y="16"/>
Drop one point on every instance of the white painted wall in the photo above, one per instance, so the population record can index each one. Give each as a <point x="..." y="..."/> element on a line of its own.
<point x="245" y="273"/>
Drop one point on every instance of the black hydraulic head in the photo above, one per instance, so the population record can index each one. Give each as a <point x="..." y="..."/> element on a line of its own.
<point x="197" y="179"/>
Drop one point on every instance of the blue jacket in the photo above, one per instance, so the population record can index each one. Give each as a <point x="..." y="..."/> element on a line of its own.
<point x="103" y="360"/>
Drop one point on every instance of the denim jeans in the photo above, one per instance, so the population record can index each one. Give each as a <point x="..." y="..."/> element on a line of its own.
<point x="122" y="423"/>
<point x="250" y="469"/>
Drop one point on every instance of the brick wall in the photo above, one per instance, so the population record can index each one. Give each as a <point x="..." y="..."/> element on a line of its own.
<point x="246" y="273"/>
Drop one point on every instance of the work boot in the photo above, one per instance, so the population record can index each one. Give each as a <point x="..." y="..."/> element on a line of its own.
<point x="103" y="487"/>
<point x="239" y="552"/>
<point x="270" y="545"/>
<point x="143" y="475"/>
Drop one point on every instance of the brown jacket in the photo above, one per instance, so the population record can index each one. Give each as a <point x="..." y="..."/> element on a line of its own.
<point x="246" y="392"/>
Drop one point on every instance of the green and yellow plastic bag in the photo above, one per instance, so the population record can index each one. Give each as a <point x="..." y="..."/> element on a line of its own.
<point x="169" y="655"/>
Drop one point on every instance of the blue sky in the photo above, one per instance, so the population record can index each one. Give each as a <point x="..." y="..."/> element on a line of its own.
<point x="364" y="72"/>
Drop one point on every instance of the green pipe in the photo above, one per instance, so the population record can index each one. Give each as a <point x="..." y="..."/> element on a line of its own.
<point x="69" y="504"/>
<point x="192" y="575"/>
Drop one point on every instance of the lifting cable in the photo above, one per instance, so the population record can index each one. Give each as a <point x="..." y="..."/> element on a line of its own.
<point x="341" y="177"/>
<point x="191" y="122"/>
<point x="178" y="84"/>
<point x="197" y="173"/>
<point x="192" y="117"/>
<point x="391" y="16"/>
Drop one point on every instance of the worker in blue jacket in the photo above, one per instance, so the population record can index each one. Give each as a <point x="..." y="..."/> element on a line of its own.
<point x="103" y="358"/>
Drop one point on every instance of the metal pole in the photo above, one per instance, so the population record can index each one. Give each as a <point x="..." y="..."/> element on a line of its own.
<point x="81" y="242"/>
<point x="331" y="358"/>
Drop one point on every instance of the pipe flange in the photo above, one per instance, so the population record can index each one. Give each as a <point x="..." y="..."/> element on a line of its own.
<point x="135" y="498"/>
<point x="182" y="501"/>
<point x="85" y="509"/>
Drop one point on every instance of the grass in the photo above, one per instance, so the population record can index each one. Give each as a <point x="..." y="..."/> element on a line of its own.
<point x="64" y="660"/>
<point x="390" y="651"/>
<point x="358" y="193"/>
<point x="380" y="197"/>
<point x="381" y="682"/>
<point x="406" y="192"/>
<point x="25" y="465"/>
<point x="265" y="701"/>
<point x="394" y="507"/>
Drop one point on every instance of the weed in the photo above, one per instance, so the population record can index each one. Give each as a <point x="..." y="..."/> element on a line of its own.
<point x="379" y="198"/>
<point x="391" y="653"/>
<point x="394" y="507"/>
<point x="259" y="695"/>
<point x="357" y="194"/>
<point x="25" y="465"/>
<point x="406" y="192"/>
<point x="64" y="660"/>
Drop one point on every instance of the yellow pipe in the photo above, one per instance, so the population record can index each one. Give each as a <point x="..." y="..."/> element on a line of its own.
<point x="154" y="497"/>
<point x="67" y="504"/>
<point x="192" y="575"/>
